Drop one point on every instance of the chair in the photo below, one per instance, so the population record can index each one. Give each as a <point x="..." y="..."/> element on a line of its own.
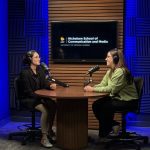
<point x="125" y="138"/>
<point x="31" y="132"/>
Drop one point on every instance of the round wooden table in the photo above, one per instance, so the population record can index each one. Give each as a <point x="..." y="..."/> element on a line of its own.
<point x="72" y="115"/>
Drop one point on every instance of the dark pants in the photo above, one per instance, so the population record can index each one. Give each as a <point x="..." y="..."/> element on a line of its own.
<point x="104" y="110"/>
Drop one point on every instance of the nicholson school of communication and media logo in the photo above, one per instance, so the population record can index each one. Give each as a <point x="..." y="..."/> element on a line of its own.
<point x="81" y="41"/>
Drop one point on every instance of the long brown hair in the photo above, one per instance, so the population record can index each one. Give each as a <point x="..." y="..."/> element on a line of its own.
<point x="118" y="57"/>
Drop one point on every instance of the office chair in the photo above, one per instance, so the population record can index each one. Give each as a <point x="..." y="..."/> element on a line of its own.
<point x="32" y="131"/>
<point x="125" y="138"/>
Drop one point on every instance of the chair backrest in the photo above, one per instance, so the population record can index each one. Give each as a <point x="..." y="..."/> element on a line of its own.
<point x="139" y="87"/>
<point x="18" y="91"/>
<point x="20" y="105"/>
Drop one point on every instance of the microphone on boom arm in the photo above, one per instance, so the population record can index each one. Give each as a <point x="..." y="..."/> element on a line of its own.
<point x="50" y="78"/>
<point x="45" y="67"/>
<point x="93" y="69"/>
<point x="90" y="71"/>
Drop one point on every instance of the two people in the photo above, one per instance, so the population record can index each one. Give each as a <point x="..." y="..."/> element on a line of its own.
<point x="33" y="78"/>
<point x="118" y="82"/>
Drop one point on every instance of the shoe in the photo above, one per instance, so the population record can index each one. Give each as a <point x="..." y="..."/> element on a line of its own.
<point x="52" y="139"/>
<point x="45" y="143"/>
<point x="101" y="140"/>
<point x="52" y="133"/>
<point x="115" y="130"/>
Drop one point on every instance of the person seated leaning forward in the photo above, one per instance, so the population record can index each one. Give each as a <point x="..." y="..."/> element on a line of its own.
<point x="119" y="83"/>
<point x="33" y="78"/>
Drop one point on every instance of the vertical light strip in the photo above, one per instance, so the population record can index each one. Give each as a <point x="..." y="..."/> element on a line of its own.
<point x="4" y="90"/>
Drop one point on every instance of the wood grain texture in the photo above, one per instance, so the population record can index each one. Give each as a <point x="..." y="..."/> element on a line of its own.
<point x="84" y="10"/>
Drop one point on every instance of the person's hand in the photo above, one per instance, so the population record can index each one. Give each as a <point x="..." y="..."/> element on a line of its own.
<point x="88" y="88"/>
<point x="53" y="86"/>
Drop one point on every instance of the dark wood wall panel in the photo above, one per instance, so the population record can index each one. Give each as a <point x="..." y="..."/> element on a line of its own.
<point x="84" y="10"/>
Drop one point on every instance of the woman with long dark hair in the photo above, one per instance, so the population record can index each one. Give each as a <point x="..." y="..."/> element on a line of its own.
<point x="118" y="82"/>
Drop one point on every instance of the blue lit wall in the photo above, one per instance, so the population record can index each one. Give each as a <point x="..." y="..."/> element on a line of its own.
<point x="137" y="44"/>
<point x="36" y="27"/>
<point x="4" y="92"/>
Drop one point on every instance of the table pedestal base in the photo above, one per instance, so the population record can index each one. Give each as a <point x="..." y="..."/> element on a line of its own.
<point x="72" y="123"/>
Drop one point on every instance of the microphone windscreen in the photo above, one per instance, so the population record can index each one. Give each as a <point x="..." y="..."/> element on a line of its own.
<point x="93" y="69"/>
<point x="44" y="66"/>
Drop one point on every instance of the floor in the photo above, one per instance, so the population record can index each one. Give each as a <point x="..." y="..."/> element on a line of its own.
<point x="15" y="144"/>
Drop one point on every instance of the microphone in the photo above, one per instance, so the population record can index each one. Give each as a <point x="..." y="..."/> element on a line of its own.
<point x="87" y="82"/>
<point x="50" y="78"/>
<point x="60" y="83"/>
<point x="45" y="67"/>
<point x="93" y="69"/>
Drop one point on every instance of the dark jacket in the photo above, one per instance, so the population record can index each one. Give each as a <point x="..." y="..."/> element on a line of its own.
<point x="29" y="83"/>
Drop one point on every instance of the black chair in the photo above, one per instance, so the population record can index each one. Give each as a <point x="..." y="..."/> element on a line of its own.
<point x="128" y="139"/>
<point x="32" y="131"/>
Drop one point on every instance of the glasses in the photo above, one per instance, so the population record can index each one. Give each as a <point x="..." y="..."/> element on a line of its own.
<point x="37" y="57"/>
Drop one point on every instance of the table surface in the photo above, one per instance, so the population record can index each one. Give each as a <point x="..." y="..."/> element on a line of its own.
<point x="69" y="92"/>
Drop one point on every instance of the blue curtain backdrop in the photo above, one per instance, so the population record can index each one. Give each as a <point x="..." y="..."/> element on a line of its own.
<point x="137" y="44"/>
<point x="4" y="90"/>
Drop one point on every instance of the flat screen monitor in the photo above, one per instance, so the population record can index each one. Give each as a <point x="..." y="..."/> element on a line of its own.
<point x="82" y="42"/>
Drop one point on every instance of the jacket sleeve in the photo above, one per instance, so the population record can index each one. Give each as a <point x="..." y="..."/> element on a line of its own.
<point x="27" y="89"/>
<point x="115" y="84"/>
<point x="45" y="84"/>
<point x="118" y="81"/>
<point x="104" y="81"/>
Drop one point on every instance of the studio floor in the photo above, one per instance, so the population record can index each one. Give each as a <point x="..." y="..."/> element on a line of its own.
<point x="15" y="144"/>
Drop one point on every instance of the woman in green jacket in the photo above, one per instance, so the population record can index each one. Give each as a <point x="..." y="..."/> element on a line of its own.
<point x="119" y="83"/>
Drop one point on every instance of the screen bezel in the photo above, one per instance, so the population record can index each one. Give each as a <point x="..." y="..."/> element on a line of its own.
<point x="54" y="60"/>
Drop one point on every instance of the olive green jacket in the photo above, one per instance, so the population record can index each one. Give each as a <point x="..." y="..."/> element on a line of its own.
<point x="117" y="86"/>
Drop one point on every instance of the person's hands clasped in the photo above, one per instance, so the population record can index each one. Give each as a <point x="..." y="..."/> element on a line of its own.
<point x="53" y="86"/>
<point x="88" y="89"/>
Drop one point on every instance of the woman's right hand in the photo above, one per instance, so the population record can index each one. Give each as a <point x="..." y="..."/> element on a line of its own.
<point x="88" y="88"/>
<point x="53" y="86"/>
